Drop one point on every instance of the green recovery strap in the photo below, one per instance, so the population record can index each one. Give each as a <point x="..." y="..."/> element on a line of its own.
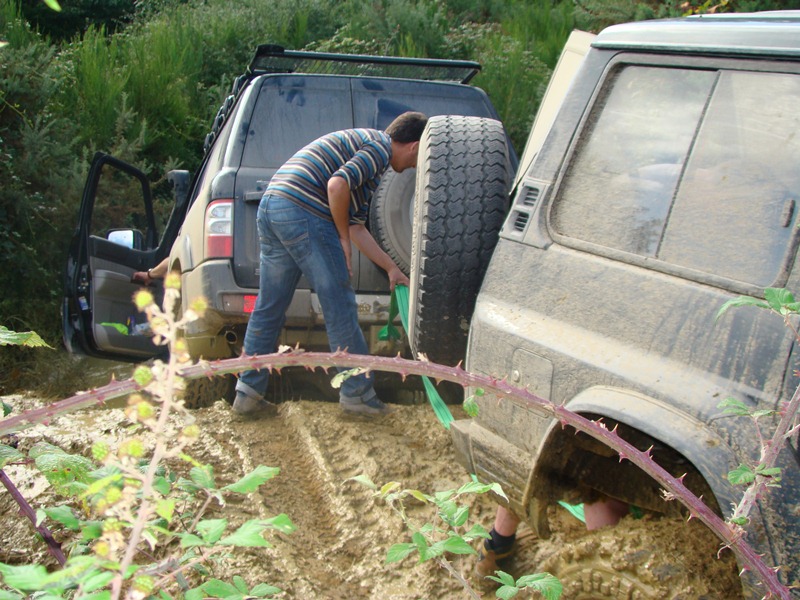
<point x="399" y="304"/>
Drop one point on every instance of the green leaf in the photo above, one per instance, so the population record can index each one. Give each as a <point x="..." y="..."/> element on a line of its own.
<point x="389" y="487"/>
<point x="456" y="545"/>
<point x="97" y="580"/>
<point x="53" y="4"/>
<point x="189" y="540"/>
<point x="476" y="531"/>
<point x="546" y="584"/>
<point x="9" y="455"/>
<point x="26" y="578"/>
<point x="6" y="408"/>
<point x="506" y="591"/>
<point x="219" y="588"/>
<point x="741" y="301"/>
<point x="29" y="339"/>
<point x="281" y="523"/>
<point x="262" y="589"/>
<point x="741" y="475"/>
<point x="162" y="486"/>
<point x="471" y="407"/>
<point x="4" y="594"/>
<point x="460" y="517"/>
<point x="419" y="496"/>
<point x="212" y="529"/>
<point x="165" y="509"/>
<point x="203" y="476"/>
<point x="741" y="521"/>
<point x="252" y="481"/>
<point x="248" y="535"/>
<point x="195" y="594"/>
<point x="364" y="480"/>
<point x="733" y="406"/>
<point x="778" y="298"/>
<point x="398" y="552"/>
<point x="503" y="578"/>
<point x="341" y="377"/>
<point x="65" y="516"/>
<point x="240" y="584"/>
<point x="91" y="530"/>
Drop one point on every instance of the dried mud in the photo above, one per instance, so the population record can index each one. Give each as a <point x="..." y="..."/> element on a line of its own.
<point x="339" y="548"/>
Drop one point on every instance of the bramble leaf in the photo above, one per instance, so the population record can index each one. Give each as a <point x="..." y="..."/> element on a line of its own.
<point x="456" y="545"/>
<point x="363" y="480"/>
<point x="281" y="523"/>
<point x="398" y="552"/>
<point x="546" y="584"/>
<point x="741" y="301"/>
<point x="212" y="529"/>
<point x="471" y="407"/>
<point x="26" y="578"/>
<point x="248" y="535"/>
<point x="262" y="589"/>
<point x="253" y="480"/>
<point x="741" y="475"/>
<point x="203" y="476"/>
<point x="9" y="455"/>
<point x="28" y="339"/>
<point x="65" y="516"/>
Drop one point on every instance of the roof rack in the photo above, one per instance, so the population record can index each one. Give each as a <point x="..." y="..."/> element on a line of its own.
<point x="270" y="58"/>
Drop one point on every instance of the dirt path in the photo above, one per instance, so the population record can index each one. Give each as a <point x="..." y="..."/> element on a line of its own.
<point x="339" y="548"/>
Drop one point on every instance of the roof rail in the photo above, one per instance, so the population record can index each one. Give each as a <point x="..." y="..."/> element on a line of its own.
<point x="270" y="58"/>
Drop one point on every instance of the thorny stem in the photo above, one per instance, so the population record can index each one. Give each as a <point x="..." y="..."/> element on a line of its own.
<point x="733" y="539"/>
<point x="445" y="564"/>
<point x="53" y="547"/>
<point x="769" y="456"/>
<point x="145" y="509"/>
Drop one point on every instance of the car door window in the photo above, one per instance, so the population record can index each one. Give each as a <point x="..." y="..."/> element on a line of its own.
<point x="694" y="168"/>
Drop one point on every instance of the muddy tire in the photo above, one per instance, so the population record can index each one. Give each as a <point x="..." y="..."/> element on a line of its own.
<point x="203" y="392"/>
<point x="462" y="185"/>
<point x="391" y="214"/>
<point x="642" y="559"/>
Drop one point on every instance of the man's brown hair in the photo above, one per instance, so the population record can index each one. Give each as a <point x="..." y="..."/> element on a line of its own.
<point x="407" y="128"/>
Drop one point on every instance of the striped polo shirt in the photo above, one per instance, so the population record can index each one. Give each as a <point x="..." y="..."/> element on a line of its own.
<point x="359" y="156"/>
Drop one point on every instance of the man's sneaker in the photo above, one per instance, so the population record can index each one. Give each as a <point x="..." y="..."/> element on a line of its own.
<point x="253" y="408"/>
<point x="360" y="406"/>
<point x="488" y="557"/>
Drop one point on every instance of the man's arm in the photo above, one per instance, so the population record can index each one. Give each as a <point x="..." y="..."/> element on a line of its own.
<point x="369" y="247"/>
<point x="339" y="203"/>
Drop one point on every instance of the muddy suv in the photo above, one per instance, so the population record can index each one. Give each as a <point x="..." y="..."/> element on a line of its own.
<point x="284" y="100"/>
<point x="667" y="185"/>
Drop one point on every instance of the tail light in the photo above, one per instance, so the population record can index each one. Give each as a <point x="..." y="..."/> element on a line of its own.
<point x="219" y="229"/>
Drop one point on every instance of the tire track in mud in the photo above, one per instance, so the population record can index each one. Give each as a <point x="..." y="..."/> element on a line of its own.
<point x="339" y="548"/>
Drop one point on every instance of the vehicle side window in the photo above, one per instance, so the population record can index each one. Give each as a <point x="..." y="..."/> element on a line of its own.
<point x="694" y="168"/>
<point x="293" y="111"/>
<point x="119" y="204"/>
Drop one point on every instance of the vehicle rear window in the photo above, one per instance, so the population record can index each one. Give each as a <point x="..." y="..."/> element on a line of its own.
<point x="694" y="168"/>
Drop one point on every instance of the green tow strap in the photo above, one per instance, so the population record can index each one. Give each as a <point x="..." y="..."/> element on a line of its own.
<point x="399" y="304"/>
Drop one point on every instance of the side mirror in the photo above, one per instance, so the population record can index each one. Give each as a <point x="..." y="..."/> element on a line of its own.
<point x="130" y="238"/>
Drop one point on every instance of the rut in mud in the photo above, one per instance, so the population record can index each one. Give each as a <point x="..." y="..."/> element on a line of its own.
<point x="339" y="548"/>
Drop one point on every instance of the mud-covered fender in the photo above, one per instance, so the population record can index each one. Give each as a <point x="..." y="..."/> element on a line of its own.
<point x="702" y="446"/>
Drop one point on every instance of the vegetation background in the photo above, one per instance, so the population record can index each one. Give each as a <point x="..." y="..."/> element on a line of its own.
<point x="142" y="79"/>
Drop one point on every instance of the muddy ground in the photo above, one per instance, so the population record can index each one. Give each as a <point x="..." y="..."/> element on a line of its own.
<point x="339" y="548"/>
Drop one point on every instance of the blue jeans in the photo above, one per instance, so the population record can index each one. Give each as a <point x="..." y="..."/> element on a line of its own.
<point x="295" y="242"/>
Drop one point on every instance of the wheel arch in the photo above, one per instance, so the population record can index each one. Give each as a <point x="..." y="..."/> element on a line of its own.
<point x="643" y="421"/>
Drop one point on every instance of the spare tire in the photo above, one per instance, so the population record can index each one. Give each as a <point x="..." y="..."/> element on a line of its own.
<point x="462" y="187"/>
<point x="390" y="216"/>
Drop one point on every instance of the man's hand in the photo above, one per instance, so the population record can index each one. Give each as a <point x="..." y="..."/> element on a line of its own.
<point x="369" y="247"/>
<point x="396" y="276"/>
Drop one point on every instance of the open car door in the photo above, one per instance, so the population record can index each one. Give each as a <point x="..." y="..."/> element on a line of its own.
<point x="116" y="236"/>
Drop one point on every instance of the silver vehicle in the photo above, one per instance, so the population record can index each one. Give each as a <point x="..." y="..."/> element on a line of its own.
<point x="667" y="185"/>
